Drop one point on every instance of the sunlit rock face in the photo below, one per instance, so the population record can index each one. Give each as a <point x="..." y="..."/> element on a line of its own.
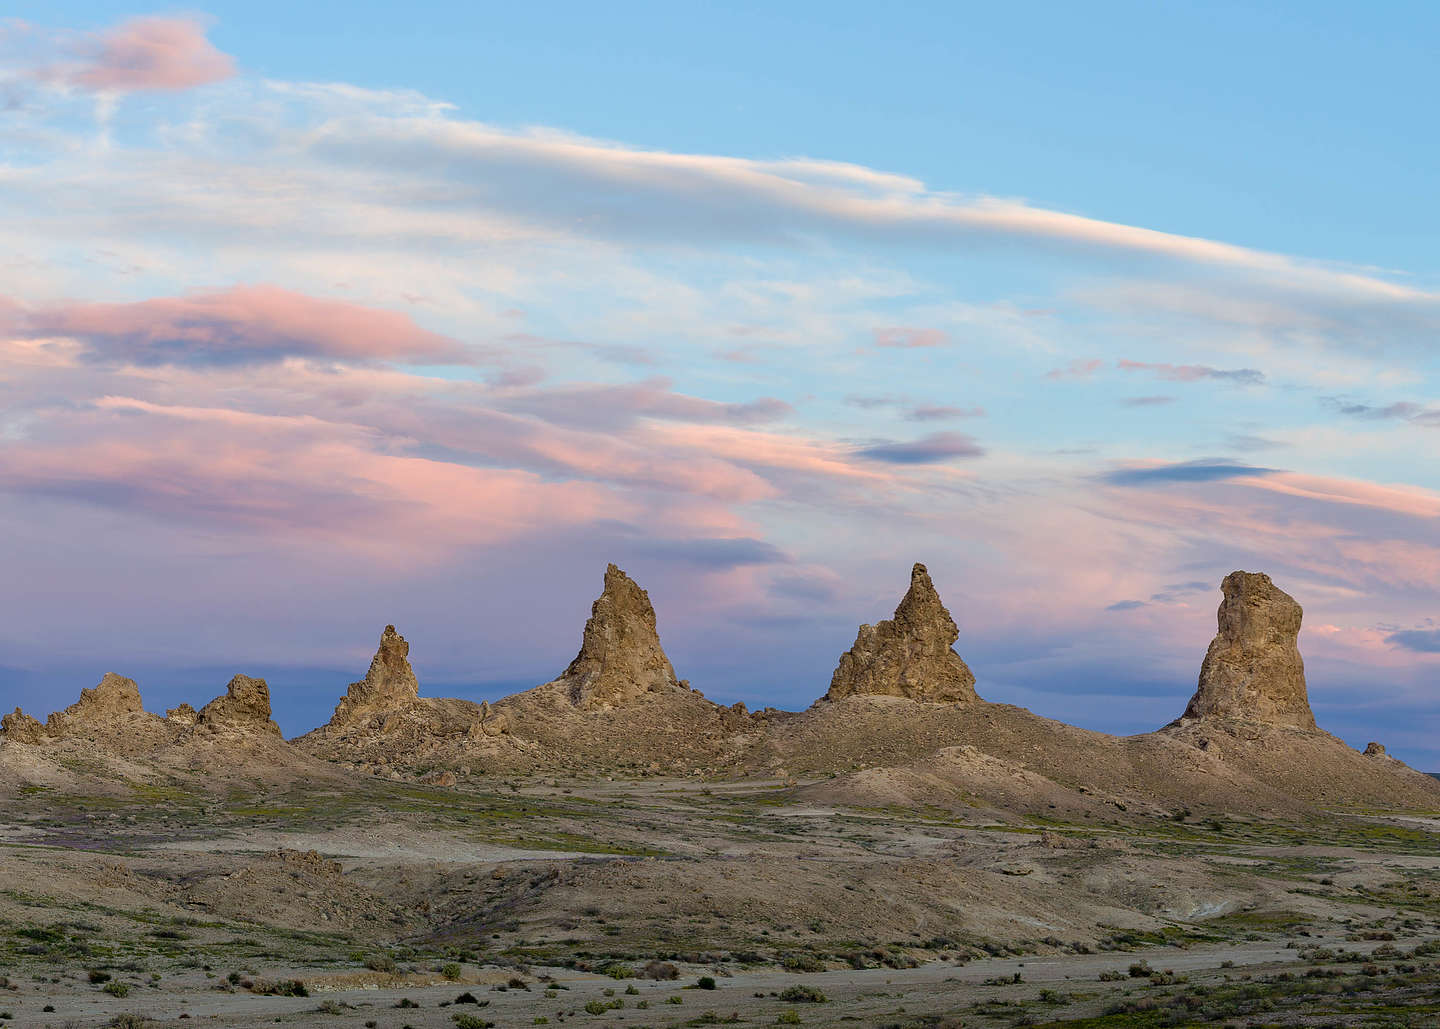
<point x="1253" y="671"/>
<point x="909" y="655"/>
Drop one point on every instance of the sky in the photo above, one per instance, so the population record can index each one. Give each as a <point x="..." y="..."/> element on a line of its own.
<point x="313" y="321"/>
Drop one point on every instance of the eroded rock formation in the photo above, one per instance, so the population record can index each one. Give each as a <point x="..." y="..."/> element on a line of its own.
<point x="620" y="655"/>
<point x="1373" y="749"/>
<point x="909" y="655"/>
<point x="1253" y="671"/>
<point x="18" y="727"/>
<point x="113" y="701"/>
<point x="244" y="707"/>
<point x="389" y="686"/>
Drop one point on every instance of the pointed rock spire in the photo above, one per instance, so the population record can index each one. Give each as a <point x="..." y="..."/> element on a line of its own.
<point x="620" y="655"/>
<point x="389" y="685"/>
<point x="244" y="707"/>
<point x="908" y="655"/>
<point x="1253" y="671"/>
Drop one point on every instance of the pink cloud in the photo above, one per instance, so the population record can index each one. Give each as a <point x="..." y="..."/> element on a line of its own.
<point x="242" y="325"/>
<point x="901" y="336"/>
<point x="150" y="53"/>
<point x="1077" y="369"/>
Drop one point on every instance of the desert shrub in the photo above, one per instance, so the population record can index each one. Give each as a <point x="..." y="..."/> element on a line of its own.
<point x="802" y="994"/>
<point x="117" y="989"/>
<point x="802" y="963"/>
<point x="470" y="1022"/>
<point x="1140" y="970"/>
<point x="677" y="999"/>
<point x="380" y="963"/>
<point x="97" y="976"/>
<point x="130" y="1021"/>
<point x="282" y="988"/>
<point x="468" y="998"/>
<point x="705" y="982"/>
<point x="599" y="1007"/>
<point x="660" y="970"/>
<point x="450" y="971"/>
<point x="516" y="983"/>
<point x="790" y="1017"/>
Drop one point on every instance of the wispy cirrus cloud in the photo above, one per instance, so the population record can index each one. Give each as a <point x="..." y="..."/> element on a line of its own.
<point x="1195" y="372"/>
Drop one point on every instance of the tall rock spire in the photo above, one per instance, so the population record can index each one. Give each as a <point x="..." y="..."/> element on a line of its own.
<point x="620" y="655"/>
<point x="389" y="685"/>
<point x="908" y="655"/>
<point x="1253" y="671"/>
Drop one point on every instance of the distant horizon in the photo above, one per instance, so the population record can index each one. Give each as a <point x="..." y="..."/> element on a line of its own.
<point x="311" y="324"/>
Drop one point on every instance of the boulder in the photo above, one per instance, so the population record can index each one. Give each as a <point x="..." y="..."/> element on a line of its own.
<point x="909" y="655"/>
<point x="1253" y="671"/>
<point x="1373" y="749"/>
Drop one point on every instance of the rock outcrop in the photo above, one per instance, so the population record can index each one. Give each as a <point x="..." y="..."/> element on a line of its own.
<point x="909" y="655"/>
<point x="1373" y="749"/>
<point x="1253" y="671"/>
<point x="244" y="708"/>
<point x="113" y="701"/>
<point x="182" y="717"/>
<point x="620" y="655"/>
<point x="389" y="686"/>
<point x="19" y="727"/>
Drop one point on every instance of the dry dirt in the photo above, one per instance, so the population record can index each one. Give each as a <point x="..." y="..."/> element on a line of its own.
<point x="900" y="913"/>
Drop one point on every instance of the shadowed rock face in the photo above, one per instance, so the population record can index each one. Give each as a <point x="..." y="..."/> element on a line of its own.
<point x="390" y="684"/>
<point x="244" y="707"/>
<point x="620" y="655"/>
<point x="1253" y="671"/>
<point x="909" y="655"/>
<point x="1373" y="749"/>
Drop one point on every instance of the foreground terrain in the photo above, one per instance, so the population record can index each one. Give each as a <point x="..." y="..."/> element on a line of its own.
<point x="565" y="899"/>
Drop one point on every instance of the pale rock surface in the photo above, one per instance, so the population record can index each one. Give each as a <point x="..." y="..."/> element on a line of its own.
<point x="620" y="657"/>
<point x="389" y="686"/>
<point x="182" y="717"/>
<point x="1253" y="671"/>
<point x="909" y="655"/>
<point x="243" y="708"/>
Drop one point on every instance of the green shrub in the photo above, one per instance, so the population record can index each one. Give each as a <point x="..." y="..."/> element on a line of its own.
<point x="470" y="1022"/>
<point x="620" y="971"/>
<point x="790" y="1017"/>
<point x="705" y="982"/>
<point x="117" y="989"/>
<point x="450" y="971"/>
<point x="802" y="994"/>
<point x="97" y="976"/>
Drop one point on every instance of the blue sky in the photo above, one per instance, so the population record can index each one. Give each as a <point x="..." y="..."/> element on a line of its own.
<point x="319" y="319"/>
